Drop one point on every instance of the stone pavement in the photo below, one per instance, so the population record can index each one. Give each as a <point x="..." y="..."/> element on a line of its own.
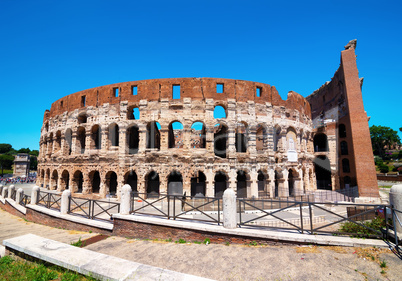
<point x="232" y="262"/>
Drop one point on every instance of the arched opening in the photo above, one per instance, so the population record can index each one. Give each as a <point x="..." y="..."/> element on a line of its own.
<point x="78" y="181"/>
<point x="241" y="184"/>
<point x="175" y="135"/>
<point x="345" y="165"/>
<point x="42" y="175"/>
<point x="53" y="183"/>
<point x="198" y="135"/>
<point x="342" y="131"/>
<point x="277" y="137"/>
<point x="278" y="177"/>
<point x="152" y="181"/>
<point x="81" y="140"/>
<point x="95" y="179"/>
<point x="58" y="141"/>
<point x="48" y="179"/>
<point x="47" y="127"/>
<point x="111" y="183"/>
<point x="261" y="136"/>
<point x="68" y="135"/>
<point x="65" y="179"/>
<point x="133" y="113"/>
<point x="82" y="118"/>
<point x="291" y="139"/>
<point x="96" y="137"/>
<point x="261" y="184"/>
<point x="131" y="180"/>
<point x="291" y="182"/>
<point x="220" y="140"/>
<point x="153" y="135"/>
<point x="241" y="138"/>
<point x="198" y="185"/>
<point x="219" y="112"/>
<point x="322" y="168"/>
<point x="320" y="143"/>
<point x="220" y="184"/>
<point x="50" y="144"/>
<point x="114" y="134"/>
<point x="133" y="139"/>
<point x="344" y="148"/>
<point x="175" y="183"/>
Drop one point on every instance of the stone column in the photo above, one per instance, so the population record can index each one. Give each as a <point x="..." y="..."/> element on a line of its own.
<point x="395" y="199"/>
<point x="125" y="200"/>
<point x="252" y="140"/>
<point x="233" y="179"/>
<point x="210" y="177"/>
<point x="123" y="147"/>
<point x="271" y="175"/>
<point x="142" y="132"/>
<point x="231" y="148"/>
<point x="88" y="134"/>
<point x="74" y="142"/>
<point x="253" y="192"/>
<point x="284" y="191"/>
<point x="186" y="137"/>
<point x="65" y="202"/>
<point x="19" y="195"/>
<point x="59" y="183"/>
<point x="104" y="140"/>
<point x="86" y="184"/>
<point x="164" y="142"/>
<point x="209" y="139"/>
<point x="229" y="209"/>
<point x="35" y="195"/>
<point x="163" y="184"/>
<point x="300" y="184"/>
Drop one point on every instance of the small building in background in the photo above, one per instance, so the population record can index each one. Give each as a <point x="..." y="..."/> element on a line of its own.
<point x="21" y="165"/>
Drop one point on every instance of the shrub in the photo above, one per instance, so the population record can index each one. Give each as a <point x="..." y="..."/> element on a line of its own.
<point x="383" y="168"/>
<point x="377" y="224"/>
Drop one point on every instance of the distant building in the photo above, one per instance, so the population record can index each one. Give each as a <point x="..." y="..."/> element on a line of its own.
<point x="21" y="165"/>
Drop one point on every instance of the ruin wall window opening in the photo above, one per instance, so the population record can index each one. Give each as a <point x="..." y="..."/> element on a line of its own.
<point x="176" y="92"/>
<point x="345" y="165"/>
<point x="219" y="88"/>
<point x="133" y="113"/>
<point x="83" y="101"/>
<point x="175" y="137"/>
<point x="134" y="90"/>
<point x="342" y="131"/>
<point x="116" y="92"/>
<point x="258" y="92"/>
<point x="61" y="104"/>
<point x="344" y="148"/>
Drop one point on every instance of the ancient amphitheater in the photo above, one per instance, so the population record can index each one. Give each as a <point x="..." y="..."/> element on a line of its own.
<point x="199" y="136"/>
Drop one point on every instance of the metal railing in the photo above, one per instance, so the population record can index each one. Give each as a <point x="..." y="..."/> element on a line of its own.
<point x="49" y="200"/>
<point x="25" y="200"/>
<point x="206" y="209"/>
<point x="93" y="209"/>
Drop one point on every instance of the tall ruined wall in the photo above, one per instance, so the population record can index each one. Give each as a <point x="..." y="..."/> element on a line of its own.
<point x="340" y="102"/>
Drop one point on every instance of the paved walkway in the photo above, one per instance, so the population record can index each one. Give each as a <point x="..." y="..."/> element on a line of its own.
<point x="233" y="262"/>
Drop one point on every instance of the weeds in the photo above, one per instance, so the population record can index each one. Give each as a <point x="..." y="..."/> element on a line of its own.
<point x="78" y="244"/>
<point x="207" y="241"/>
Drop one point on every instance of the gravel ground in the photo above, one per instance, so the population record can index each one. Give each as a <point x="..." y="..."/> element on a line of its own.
<point x="232" y="262"/>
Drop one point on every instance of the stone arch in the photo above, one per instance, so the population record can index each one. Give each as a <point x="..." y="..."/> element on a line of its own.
<point x="47" y="179"/>
<point x="96" y="141"/>
<point x="68" y="136"/>
<point x="241" y="137"/>
<point x="291" y="139"/>
<point x="322" y="167"/>
<point x="53" y="181"/>
<point x="262" y="179"/>
<point x="65" y="180"/>
<point x="81" y="140"/>
<point x="133" y="139"/>
<point x="198" y="184"/>
<point x="175" y="136"/>
<point x="221" y="183"/>
<point x="133" y="113"/>
<point x="111" y="183"/>
<point x="113" y="135"/>
<point x="220" y="140"/>
<point x="153" y="135"/>
<point x="220" y="111"/>
<point x="198" y="135"/>
<point x="58" y="141"/>
<point x="175" y="183"/>
<point x="131" y="179"/>
<point x="292" y="175"/>
<point x="241" y="183"/>
<point x="78" y="180"/>
<point x="277" y="137"/>
<point x="95" y="180"/>
<point x="261" y="138"/>
<point x="278" y="182"/>
<point x="152" y="184"/>
<point x="82" y="118"/>
<point x="320" y="142"/>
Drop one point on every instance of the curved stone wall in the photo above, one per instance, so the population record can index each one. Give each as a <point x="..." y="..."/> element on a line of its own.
<point x="96" y="140"/>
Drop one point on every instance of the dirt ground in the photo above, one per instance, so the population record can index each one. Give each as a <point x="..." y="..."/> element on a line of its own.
<point x="231" y="262"/>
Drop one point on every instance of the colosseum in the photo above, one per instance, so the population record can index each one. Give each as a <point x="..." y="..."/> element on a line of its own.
<point x="199" y="136"/>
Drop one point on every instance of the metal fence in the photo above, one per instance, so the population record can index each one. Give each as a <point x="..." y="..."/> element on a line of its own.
<point x="49" y="200"/>
<point x="25" y="200"/>
<point x="93" y="209"/>
<point x="206" y="209"/>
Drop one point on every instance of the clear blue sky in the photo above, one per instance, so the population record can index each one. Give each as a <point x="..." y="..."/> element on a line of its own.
<point x="50" y="49"/>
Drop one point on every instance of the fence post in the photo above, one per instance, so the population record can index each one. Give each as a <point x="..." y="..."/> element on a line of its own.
<point x="395" y="199"/>
<point x="125" y="200"/>
<point x="19" y="195"/>
<point x="35" y="195"/>
<point x="11" y="190"/>
<point x="1" y="190"/>
<point x="65" y="202"/>
<point x="229" y="209"/>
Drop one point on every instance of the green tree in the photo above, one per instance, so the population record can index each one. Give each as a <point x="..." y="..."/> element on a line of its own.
<point x="33" y="165"/>
<point x="5" y="147"/>
<point x="6" y="161"/>
<point x="382" y="136"/>
<point x="34" y="153"/>
<point x="24" y="150"/>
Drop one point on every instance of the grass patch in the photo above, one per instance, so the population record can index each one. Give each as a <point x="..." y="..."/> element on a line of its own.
<point x="78" y="244"/>
<point x="207" y="241"/>
<point x="349" y="227"/>
<point x="19" y="270"/>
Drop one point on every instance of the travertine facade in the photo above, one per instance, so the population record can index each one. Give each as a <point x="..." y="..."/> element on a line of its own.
<point x="166" y="136"/>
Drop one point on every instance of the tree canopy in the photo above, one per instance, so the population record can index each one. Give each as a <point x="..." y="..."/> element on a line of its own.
<point x="382" y="136"/>
<point x="5" y="147"/>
